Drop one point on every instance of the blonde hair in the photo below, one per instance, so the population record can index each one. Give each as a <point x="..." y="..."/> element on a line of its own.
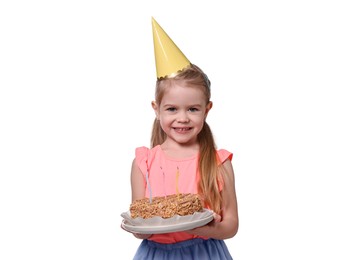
<point x="208" y="163"/>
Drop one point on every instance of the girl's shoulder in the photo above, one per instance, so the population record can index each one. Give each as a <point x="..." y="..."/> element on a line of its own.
<point x="144" y="155"/>
<point x="224" y="155"/>
<point x="143" y="151"/>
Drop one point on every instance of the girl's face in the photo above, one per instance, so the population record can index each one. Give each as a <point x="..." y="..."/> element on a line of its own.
<point x="182" y="112"/>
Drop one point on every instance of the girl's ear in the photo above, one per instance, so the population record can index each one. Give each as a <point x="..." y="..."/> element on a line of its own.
<point x="208" y="107"/>
<point x="156" y="110"/>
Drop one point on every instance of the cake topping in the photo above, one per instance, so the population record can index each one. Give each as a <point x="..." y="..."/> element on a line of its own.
<point x="166" y="207"/>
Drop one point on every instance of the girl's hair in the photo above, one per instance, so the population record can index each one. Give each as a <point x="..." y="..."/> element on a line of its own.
<point x="210" y="172"/>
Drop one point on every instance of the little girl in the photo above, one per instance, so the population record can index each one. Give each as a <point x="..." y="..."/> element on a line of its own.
<point x="182" y="143"/>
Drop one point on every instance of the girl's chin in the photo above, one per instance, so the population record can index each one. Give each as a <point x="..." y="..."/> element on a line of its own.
<point x="183" y="139"/>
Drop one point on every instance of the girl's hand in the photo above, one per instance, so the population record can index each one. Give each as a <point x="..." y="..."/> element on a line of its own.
<point x="141" y="236"/>
<point x="217" y="217"/>
<point x="206" y="229"/>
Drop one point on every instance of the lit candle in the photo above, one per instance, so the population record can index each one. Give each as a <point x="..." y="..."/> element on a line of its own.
<point x="149" y="188"/>
<point x="164" y="182"/>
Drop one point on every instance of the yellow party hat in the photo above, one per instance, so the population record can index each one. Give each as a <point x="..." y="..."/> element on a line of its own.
<point x="169" y="59"/>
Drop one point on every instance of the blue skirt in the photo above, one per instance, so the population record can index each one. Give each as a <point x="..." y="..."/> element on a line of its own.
<point x="197" y="248"/>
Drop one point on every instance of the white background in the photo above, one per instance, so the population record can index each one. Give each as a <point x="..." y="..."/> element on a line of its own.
<point x="76" y="82"/>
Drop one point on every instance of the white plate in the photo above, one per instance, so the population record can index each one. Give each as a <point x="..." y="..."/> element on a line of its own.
<point x="181" y="225"/>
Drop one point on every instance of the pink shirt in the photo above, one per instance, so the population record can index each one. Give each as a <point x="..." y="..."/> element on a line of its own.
<point x="166" y="175"/>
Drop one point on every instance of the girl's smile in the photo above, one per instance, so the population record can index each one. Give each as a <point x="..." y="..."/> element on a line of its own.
<point x="182" y="130"/>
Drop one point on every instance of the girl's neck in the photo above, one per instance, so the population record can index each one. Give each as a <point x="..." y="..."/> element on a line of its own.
<point x="175" y="150"/>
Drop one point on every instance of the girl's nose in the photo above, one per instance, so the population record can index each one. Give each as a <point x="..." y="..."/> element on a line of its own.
<point x="183" y="117"/>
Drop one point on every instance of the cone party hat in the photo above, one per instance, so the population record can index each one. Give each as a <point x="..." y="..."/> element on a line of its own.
<point x="169" y="59"/>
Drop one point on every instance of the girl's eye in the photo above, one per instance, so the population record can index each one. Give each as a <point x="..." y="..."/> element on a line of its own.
<point x="171" y="109"/>
<point x="193" y="109"/>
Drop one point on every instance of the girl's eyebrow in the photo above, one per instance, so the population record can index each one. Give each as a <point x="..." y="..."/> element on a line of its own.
<point x="173" y="105"/>
<point x="169" y="105"/>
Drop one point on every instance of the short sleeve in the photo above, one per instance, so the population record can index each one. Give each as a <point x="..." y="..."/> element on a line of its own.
<point x="224" y="155"/>
<point x="141" y="158"/>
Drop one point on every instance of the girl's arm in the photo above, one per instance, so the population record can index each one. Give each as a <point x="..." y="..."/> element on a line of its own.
<point x="137" y="182"/>
<point x="137" y="190"/>
<point x="226" y="226"/>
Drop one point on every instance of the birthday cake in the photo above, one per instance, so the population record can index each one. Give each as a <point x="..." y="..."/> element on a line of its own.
<point x="166" y="206"/>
